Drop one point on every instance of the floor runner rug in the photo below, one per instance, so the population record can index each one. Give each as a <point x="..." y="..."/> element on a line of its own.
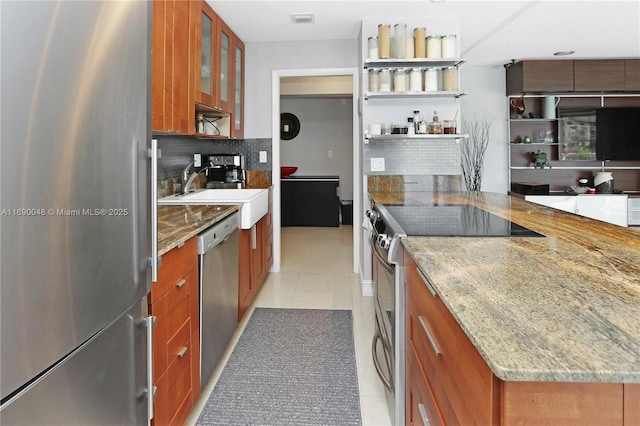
<point x="289" y="367"/>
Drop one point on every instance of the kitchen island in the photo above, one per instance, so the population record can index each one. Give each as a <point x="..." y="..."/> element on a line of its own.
<point x="555" y="319"/>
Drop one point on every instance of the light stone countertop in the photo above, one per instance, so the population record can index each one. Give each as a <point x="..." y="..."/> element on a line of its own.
<point x="565" y="308"/>
<point x="176" y="224"/>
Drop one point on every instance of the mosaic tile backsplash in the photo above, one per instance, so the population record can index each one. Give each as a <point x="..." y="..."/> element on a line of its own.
<point x="414" y="157"/>
<point x="177" y="152"/>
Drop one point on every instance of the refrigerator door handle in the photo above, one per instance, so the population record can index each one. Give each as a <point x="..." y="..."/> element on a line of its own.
<point x="154" y="210"/>
<point x="151" y="322"/>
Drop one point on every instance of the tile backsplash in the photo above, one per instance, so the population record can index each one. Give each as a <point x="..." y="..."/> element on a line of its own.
<point x="177" y="152"/>
<point x="414" y="157"/>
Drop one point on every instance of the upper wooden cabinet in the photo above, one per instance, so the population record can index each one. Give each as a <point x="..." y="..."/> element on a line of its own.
<point x="206" y="64"/>
<point x="540" y="77"/>
<point x="599" y="75"/>
<point x="237" y="128"/>
<point x="226" y="67"/>
<point x="582" y="76"/>
<point x="632" y="75"/>
<point x="172" y="102"/>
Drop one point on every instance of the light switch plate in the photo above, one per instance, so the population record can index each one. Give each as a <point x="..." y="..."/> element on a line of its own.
<point x="377" y="164"/>
<point x="263" y="156"/>
<point x="197" y="160"/>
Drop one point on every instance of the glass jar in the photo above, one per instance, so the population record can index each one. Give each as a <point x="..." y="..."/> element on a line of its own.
<point x="434" y="47"/>
<point x="409" y="54"/>
<point x="435" y="126"/>
<point x="374" y="80"/>
<point x="431" y="80"/>
<point x="373" y="47"/>
<point x="450" y="46"/>
<point x="420" y="40"/>
<point x="415" y="80"/>
<point x="384" y="79"/>
<point x="400" y="80"/>
<point x="384" y="40"/>
<point x="450" y="79"/>
<point x="450" y="127"/>
<point x="400" y="41"/>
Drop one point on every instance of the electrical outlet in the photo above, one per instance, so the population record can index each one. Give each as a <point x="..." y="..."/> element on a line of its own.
<point x="263" y="156"/>
<point x="377" y="164"/>
<point x="197" y="160"/>
<point x="330" y="154"/>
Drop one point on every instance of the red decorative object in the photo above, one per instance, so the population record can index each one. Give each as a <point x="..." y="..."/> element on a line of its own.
<point x="287" y="171"/>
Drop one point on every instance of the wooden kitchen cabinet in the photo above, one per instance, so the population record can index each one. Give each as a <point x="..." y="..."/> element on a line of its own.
<point x="206" y="64"/>
<point x="310" y="201"/>
<point x="599" y="75"/>
<point x="256" y="258"/>
<point x="226" y="65"/>
<point x="461" y="385"/>
<point x="237" y="128"/>
<point x="632" y="75"/>
<point x="448" y="382"/>
<point x="172" y="90"/>
<point x="176" y="339"/>
<point x="540" y="76"/>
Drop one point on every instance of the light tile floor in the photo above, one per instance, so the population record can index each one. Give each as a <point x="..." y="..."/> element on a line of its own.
<point x="316" y="272"/>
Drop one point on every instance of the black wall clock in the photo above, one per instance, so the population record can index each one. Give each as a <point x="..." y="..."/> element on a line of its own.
<point x="289" y="126"/>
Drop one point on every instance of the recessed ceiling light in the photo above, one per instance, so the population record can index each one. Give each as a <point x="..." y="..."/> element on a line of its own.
<point x="303" y="17"/>
<point x="564" y="53"/>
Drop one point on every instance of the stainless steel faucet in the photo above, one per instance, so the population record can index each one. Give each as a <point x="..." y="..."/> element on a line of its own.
<point x="187" y="179"/>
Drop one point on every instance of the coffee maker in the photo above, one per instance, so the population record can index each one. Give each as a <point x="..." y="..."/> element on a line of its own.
<point x="226" y="171"/>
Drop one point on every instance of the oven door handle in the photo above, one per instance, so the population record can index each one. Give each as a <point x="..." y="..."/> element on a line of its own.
<point x="376" y="362"/>
<point x="383" y="262"/>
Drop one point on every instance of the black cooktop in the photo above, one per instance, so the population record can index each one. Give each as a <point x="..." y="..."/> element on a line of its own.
<point x="460" y="220"/>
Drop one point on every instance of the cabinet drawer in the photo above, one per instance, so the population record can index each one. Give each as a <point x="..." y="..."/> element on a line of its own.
<point x="421" y="408"/>
<point x="174" y="392"/>
<point x="175" y="264"/>
<point x="172" y="311"/>
<point x="461" y="381"/>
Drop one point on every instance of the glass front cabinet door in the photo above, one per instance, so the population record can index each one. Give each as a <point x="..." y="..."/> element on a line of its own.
<point x="238" y="83"/>
<point x="226" y="68"/>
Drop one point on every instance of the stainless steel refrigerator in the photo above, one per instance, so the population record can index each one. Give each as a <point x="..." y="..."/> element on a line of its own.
<point x="75" y="201"/>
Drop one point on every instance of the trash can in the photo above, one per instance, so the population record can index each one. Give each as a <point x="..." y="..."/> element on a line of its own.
<point x="346" y="207"/>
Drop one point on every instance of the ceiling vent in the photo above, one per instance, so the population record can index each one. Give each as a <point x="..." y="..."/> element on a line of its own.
<point x="303" y="18"/>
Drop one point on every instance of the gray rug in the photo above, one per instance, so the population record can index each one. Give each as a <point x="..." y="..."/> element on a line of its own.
<point x="289" y="367"/>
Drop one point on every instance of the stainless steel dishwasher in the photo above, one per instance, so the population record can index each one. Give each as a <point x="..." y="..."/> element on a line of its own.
<point x="218" y="266"/>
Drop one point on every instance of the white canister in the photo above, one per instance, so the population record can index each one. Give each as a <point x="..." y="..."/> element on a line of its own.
<point x="375" y="129"/>
<point x="374" y="80"/>
<point x="384" y="77"/>
<point x="409" y="53"/>
<point x="372" y="43"/>
<point x="415" y="80"/>
<point x="434" y="47"/>
<point x="400" y="41"/>
<point x="450" y="79"/>
<point x="550" y="104"/>
<point x="450" y="46"/>
<point x="400" y="80"/>
<point x="431" y="80"/>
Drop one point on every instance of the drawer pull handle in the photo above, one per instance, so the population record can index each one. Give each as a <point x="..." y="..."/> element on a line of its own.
<point x="181" y="283"/>
<point x="426" y="282"/>
<point x="432" y="341"/>
<point x="182" y="352"/>
<point x="423" y="414"/>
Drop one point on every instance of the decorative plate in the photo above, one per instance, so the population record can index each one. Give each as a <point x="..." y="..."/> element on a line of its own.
<point x="289" y="126"/>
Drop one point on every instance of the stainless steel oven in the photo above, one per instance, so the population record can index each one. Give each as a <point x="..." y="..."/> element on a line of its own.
<point x="388" y="286"/>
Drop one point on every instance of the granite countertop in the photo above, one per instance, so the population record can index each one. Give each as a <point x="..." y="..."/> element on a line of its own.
<point x="565" y="308"/>
<point x="176" y="224"/>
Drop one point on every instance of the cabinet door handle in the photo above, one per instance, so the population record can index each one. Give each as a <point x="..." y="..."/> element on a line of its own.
<point x="182" y="352"/>
<point x="432" y="340"/>
<point x="181" y="283"/>
<point x="423" y="414"/>
<point x="426" y="282"/>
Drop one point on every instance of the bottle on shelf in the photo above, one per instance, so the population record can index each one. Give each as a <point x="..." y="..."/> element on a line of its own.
<point x="435" y="126"/>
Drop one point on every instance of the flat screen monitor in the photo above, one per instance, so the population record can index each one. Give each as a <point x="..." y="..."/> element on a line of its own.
<point x="618" y="134"/>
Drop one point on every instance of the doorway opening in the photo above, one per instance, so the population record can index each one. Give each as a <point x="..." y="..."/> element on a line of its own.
<point x="334" y="83"/>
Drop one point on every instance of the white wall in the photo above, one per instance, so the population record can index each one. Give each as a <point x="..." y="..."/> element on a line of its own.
<point x="326" y="124"/>
<point x="486" y="88"/>
<point x="262" y="58"/>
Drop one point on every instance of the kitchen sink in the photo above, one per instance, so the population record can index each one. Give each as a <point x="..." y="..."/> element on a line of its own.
<point x="254" y="203"/>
